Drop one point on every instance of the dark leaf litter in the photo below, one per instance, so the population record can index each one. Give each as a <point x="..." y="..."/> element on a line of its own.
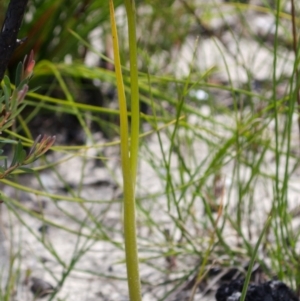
<point x="273" y="290"/>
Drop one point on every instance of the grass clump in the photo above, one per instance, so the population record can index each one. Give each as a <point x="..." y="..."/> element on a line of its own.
<point x="217" y="147"/>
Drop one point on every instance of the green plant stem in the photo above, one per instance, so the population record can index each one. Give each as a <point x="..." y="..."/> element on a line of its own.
<point x="252" y="260"/>
<point x="135" y="102"/>
<point x="295" y="43"/>
<point x="129" y="200"/>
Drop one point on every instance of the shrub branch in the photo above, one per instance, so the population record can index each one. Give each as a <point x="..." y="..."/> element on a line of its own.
<point x="9" y="32"/>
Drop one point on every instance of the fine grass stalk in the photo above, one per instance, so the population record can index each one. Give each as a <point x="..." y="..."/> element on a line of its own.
<point x="129" y="160"/>
<point x="135" y="102"/>
<point x="252" y="260"/>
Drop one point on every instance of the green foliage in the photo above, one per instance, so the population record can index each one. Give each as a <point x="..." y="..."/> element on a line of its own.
<point x="214" y="160"/>
<point x="11" y="106"/>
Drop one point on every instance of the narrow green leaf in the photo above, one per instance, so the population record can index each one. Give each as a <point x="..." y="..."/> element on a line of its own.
<point x="5" y="141"/>
<point x="34" y="89"/>
<point x="22" y="156"/>
<point x="7" y="125"/>
<point x="18" y="111"/>
<point x="6" y="81"/>
<point x="19" y="74"/>
<point x="7" y="91"/>
<point x="26" y="169"/>
<point x="6" y="96"/>
<point x="17" y="154"/>
<point x="14" y="101"/>
<point x="22" y="83"/>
